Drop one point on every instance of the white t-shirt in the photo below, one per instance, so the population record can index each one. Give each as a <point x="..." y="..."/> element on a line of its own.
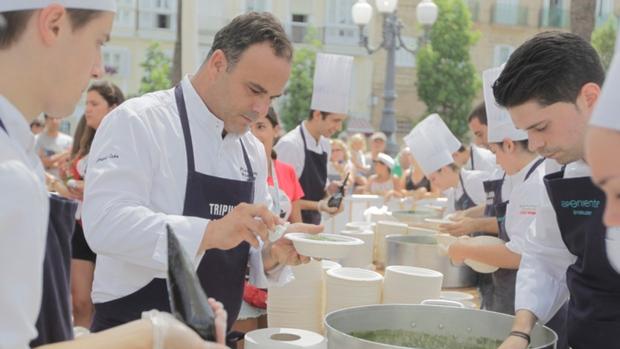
<point x="48" y="146"/>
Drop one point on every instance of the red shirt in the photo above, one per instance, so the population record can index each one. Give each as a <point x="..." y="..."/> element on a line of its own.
<point x="287" y="180"/>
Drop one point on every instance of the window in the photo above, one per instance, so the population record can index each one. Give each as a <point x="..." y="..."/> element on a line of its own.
<point x="339" y="26"/>
<point x="158" y="14"/>
<point x="603" y="10"/>
<point x="257" y="5"/>
<point x="299" y="27"/>
<point x="116" y="60"/>
<point x="125" y="14"/>
<point x="405" y="59"/>
<point x="502" y="53"/>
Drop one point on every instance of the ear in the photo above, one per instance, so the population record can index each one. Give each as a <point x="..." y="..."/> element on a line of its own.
<point x="49" y="22"/>
<point x="508" y="145"/>
<point x="588" y="96"/>
<point x="316" y="114"/>
<point x="217" y="63"/>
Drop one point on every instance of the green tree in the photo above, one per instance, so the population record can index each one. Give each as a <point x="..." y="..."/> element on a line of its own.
<point x="156" y="75"/>
<point x="447" y="80"/>
<point x="604" y="40"/>
<point x="298" y="96"/>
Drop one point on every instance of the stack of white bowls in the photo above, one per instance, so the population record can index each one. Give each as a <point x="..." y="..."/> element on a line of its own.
<point x="361" y="255"/>
<point x="359" y="204"/>
<point x="304" y="295"/>
<point x="462" y="297"/>
<point x="352" y="287"/>
<point x="383" y="229"/>
<point x="411" y="285"/>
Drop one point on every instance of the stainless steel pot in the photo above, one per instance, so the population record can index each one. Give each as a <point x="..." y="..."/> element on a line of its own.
<point x="430" y="319"/>
<point x="423" y="251"/>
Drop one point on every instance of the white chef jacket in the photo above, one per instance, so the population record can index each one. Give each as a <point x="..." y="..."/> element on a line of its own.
<point x="290" y="148"/>
<point x="523" y="202"/>
<point x="473" y="181"/>
<point x="135" y="185"/>
<point x="24" y="212"/>
<point x="541" y="280"/>
<point x="483" y="160"/>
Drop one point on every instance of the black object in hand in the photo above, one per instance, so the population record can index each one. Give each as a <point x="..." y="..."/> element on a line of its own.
<point x="336" y="199"/>
<point x="188" y="300"/>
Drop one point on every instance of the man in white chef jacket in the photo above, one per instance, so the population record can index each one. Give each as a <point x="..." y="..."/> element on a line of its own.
<point x="185" y="157"/>
<point x="307" y="146"/>
<point x="550" y="85"/>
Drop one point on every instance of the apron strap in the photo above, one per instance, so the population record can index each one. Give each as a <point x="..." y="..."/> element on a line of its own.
<point x="533" y="168"/>
<point x="471" y="157"/>
<point x="463" y="184"/>
<point x="301" y="130"/>
<point x="248" y="164"/>
<point x="189" y="148"/>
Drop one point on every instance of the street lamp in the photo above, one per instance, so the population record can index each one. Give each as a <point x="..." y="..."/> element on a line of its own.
<point x="426" y="12"/>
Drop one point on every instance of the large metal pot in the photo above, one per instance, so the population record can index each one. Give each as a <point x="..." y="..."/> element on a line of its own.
<point x="423" y="252"/>
<point x="430" y="319"/>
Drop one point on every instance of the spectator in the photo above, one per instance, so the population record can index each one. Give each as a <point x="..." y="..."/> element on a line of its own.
<point x="53" y="146"/>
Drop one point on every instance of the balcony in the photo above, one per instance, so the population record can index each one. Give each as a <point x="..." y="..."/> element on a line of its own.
<point x="554" y="17"/>
<point x="509" y="14"/>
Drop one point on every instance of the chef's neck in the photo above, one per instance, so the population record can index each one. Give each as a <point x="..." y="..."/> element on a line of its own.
<point x="19" y="87"/>
<point x="313" y="128"/>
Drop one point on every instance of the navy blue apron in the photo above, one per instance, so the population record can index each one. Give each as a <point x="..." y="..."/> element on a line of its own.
<point x="504" y="279"/>
<point x="54" y="322"/>
<point x="313" y="179"/>
<point x="221" y="273"/>
<point x="594" y="306"/>
<point x="471" y="157"/>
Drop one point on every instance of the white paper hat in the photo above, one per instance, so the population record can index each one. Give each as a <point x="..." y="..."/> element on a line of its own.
<point x="499" y="123"/>
<point x="430" y="152"/>
<point x="441" y="132"/>
<point x="606" y="113"/>
<point x="332" y="82"/>
<point x="20" y="5"/>
<point x="386" y="160"/>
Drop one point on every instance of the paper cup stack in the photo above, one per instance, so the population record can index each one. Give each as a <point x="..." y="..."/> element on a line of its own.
<point x="361" y="256"/>
<point x="352" y="287"/>
<point x="383" y="229"/>
<point x="411" y="285"/>
<point x="304" y="295"/>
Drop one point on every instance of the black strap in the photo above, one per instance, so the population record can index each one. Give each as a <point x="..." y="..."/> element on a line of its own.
<point x="189" y="148"/>
<point x="301" y="129"/>
<point x="521" y="335"/>
<point x="471" y="156"/>
<point x="3" y="127"/>
<point x="463" y="184"/>
<point x="533" y="168"/>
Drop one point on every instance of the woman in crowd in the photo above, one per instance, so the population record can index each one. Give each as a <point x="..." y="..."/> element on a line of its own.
<point x="383" y="182"/>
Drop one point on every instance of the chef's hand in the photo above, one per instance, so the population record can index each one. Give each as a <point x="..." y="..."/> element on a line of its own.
<point x="246" y="222"/>
<point x="283" y="252"/>
<point x="463" y="226"/>
<point x="170" y="333"/>
<point x="457" y="253"/>
<point x="322" y="207"/>
<point x="514" y="342"/>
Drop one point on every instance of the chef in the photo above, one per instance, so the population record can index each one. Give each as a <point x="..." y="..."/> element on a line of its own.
<point x="34" y="246"/>
<point x="603" y="135"/>
<point x="185" y="157"/>
<point x="550" y="86"/>
<point x="307" y="146"/>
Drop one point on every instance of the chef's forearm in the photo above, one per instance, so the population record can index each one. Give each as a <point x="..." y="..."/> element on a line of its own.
<point x="308" y="205"/>
<point x="524" y="321"/>
<point x="475" y="212"/>
<point x="487" y="225"/>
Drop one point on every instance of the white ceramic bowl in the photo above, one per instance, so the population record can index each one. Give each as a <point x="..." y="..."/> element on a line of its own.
<point x="462" y="297"/>
<point x="330" y="246"/>
<point x="481" y="241"/>
<point x="410" y="285"/>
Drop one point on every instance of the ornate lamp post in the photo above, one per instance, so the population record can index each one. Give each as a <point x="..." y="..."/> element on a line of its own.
<point x="426" y="12"/>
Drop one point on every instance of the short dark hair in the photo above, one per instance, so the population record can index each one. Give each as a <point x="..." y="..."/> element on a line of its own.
<point x="249" y="29"/>
<point x="480" y="113"/>
<point x="551" y="67"/>
<point x="272" y="116"/>
<point x="324" y="114"/>
<point x="15" y="23"/>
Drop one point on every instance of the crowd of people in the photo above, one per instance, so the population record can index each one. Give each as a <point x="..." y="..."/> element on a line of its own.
<point x="83" y="218"/>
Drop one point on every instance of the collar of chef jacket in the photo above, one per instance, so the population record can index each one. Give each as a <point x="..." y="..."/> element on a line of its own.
<point x="197" y="110"/>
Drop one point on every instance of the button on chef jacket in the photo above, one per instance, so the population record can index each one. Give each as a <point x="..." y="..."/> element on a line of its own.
<point x="290" y="148"/>
<point x="24" y="212"/>
<point x="541" y="279"/>
<point x="135" y="185"/>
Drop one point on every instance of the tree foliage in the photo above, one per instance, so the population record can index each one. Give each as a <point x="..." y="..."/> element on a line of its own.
<point x="447" y="79"/>
<point x="298" y="95"/>
<point x="604" y="40"/>
<point x="156" y="75"/>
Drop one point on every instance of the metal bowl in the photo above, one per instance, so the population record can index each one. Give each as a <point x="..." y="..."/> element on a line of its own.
<point x="436" y="320"/>
<point x="423" y="252"/>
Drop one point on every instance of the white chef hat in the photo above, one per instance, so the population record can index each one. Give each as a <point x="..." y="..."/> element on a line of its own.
<point x="499" y="123"/>
<point x="386" y="160"/>
<point x="20" y="5"/>
<point x="440" y="132"/>
<point x="430" y="152"/>
<point x="332" y="82"/>
<point x="607" y="111"/>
